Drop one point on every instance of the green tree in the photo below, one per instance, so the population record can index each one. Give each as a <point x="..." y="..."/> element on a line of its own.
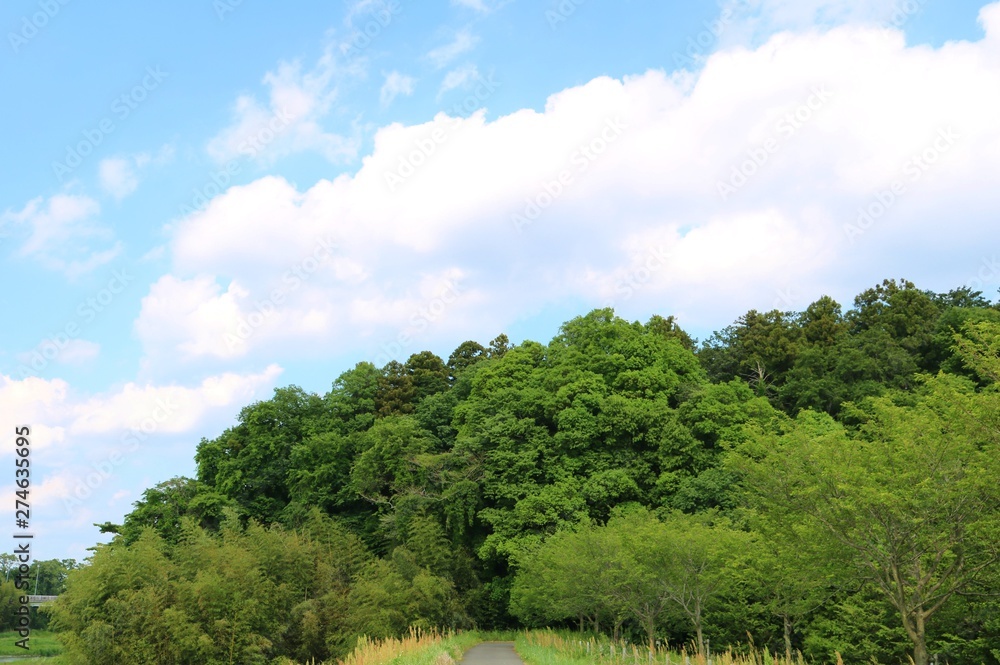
<point x="570" y="577"/>
<point x="352" y="400"/>
<point x="466" y="355"/>
<point x="250" y="462"/>
<point x="906" y="314"/>
<point x="759" y="348"/>
<point x="978" y="346"/>
<point x="163" y="506"/>
<point x="911" y="496"/>
<point x="667" y="326"/>
<point x="694" y="562"/>
<point x="499" y="345"/>
<point x="429" y="374"/>
<point x="396" y="393"/>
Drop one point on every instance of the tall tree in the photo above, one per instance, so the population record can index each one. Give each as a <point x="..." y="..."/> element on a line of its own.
<point x="466" y="355"/>
<point x="912" y="495"/>
<point x="396" y="393"/>
<point x="694" y="562"/>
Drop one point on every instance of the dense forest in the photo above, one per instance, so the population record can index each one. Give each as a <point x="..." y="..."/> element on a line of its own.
<point x="822" y="481"/>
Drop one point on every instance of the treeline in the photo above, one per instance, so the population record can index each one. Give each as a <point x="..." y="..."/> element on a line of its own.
<point x="822" y="481"/>
<point x="245" y="593"/>
<point x="44" y="578"/>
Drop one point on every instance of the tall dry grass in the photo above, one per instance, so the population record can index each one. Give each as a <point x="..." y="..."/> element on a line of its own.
<point x="549" y="648"/>
<point x="416" y="648"/>
<point x="382" y="652"/>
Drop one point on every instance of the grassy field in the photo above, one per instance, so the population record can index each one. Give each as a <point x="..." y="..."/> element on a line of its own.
<point x="415" y="649"/>
<point x="550" y="648"/>
<point x="42" y="643"/>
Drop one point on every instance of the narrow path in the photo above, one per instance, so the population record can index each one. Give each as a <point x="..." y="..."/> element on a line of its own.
<point x="492" y="653"/>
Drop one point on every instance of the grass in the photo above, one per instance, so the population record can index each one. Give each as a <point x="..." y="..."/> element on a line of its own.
<point x="417" y="648"/>
<point x="42" y="643"/>
<point x="550" y="648"/>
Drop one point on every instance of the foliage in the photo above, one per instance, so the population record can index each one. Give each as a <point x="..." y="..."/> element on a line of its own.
<point x="821" y="480"/>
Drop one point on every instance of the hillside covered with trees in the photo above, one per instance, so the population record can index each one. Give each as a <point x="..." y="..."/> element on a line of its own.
<point x="823" y="481"/>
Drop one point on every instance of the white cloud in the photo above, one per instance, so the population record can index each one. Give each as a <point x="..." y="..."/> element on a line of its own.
<point x="64" y="215"/>
<point x="32" y="402"/>
<point x="172" y="408"/>
<point x="459" y="78"/>
<point x="478" y="5"/>
<point x="71" y="352"/>
<point x="86" y="441"/>
<point x="118" y="496"/>
<point x="193" y="314"/>
<point x="395" y="84"/>
<point x="421" y="208"/>
<point x="364" y="8"/>
<point x="68" y="416"/>
<point x="464" y="41"/>
<point x="290" y="120"/>
<point x="61" y="233"/>
<point x="79" y="351"/>
<point x="765" y="17"/>
<point x="118" y="176"/>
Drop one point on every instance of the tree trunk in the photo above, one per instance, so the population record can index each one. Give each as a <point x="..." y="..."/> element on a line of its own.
<point x="697" y="628"/>
<point x="920" y="653"/>
<point x="920" y="643"/>
<point x="597" y="624"/>
<point x="916" y="631"/>
<point x="788" y="637"/>
<point x="581" y="623"/>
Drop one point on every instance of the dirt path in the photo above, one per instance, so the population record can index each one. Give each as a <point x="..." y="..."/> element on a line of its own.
<point x="492" y="653"/>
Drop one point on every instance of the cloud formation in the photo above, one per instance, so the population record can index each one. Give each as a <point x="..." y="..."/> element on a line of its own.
<point x="290" y="120"/>
<point x="748" y="175"/>
<point x="62" y="234"/>
<point x="395" y="84"/>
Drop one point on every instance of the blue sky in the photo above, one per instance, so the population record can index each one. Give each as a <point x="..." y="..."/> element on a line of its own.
<point x="207" y="200"/>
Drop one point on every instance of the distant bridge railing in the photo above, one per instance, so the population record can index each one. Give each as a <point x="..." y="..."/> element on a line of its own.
<point x="35" y="601"/>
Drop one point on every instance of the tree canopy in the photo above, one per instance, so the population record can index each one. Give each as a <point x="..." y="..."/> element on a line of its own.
<point x="823" y="480"/>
